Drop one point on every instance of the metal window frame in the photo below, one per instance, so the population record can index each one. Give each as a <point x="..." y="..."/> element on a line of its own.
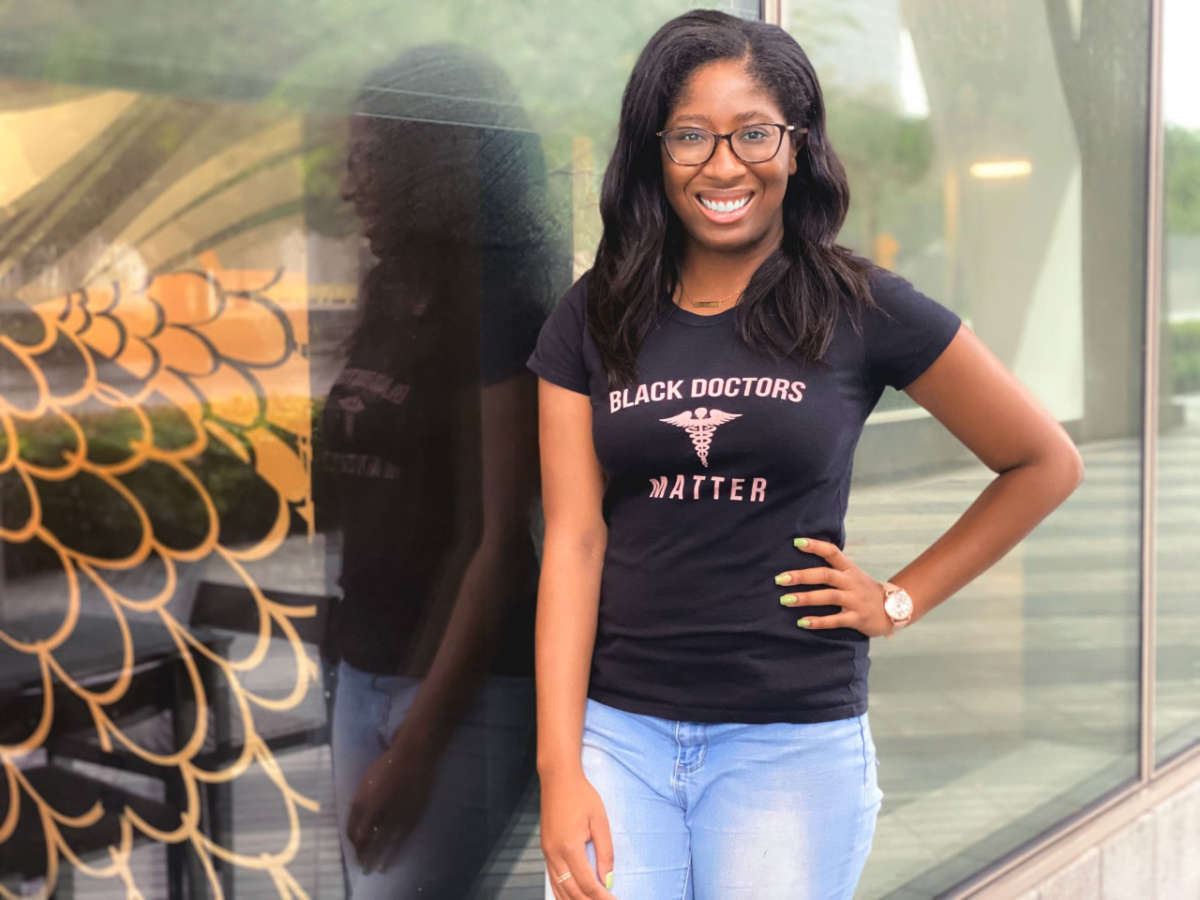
<point x="1150" y="387"/>
<point x="1156" y="781"/>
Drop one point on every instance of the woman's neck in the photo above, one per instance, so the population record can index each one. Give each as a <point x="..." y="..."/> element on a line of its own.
<point x="708" y="276"/>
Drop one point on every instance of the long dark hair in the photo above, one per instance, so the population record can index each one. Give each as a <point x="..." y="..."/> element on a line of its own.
<point x="461" y="97"/>
<point x="791" y="305"/>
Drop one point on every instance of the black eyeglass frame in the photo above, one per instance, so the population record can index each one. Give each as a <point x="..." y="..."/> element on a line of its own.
<point x="728" y="136"/>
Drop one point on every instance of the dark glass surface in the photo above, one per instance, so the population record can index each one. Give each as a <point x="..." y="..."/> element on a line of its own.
<point x="268" y="462"/>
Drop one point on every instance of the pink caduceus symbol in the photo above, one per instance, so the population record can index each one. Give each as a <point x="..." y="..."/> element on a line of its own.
<point x="700" y="426"/>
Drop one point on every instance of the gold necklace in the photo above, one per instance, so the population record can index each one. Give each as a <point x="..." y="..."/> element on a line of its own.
<point x="705" y="304"/>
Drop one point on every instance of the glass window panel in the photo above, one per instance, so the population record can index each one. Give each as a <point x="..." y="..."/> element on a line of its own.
<point x="184" y="279"/>
<point x="996" y="159"/>
<point x="1177" y="685"/>
<point x="261" y="381"/>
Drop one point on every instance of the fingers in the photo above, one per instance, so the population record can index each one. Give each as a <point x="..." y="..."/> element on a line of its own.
<point x="837" y="620"/>
<point x="564" y="888"/>
<point x="373" y="849"/>
<point x="826" y="597"/>
<point x="371" y="834"/>
<point x="602" y="841"/>
<point x="356" y="829"/>
<point x="814" y="575"/>
<point x="561" y="880"/>
<point x="828" y="550"/>
<point x="583" y="884"/>
<point x="585" y="880"/>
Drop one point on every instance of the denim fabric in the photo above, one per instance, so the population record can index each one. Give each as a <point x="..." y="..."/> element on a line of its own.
<point x="480" y="779"/>
<point x="704" y="811"/>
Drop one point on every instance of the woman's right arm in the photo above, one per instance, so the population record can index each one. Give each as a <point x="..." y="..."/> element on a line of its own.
<point x="568" y="600"/>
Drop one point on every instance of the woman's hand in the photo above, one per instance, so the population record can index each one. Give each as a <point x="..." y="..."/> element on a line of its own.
<point x="572" y="815"/>
<point x="391" y="799"/>
<point x="858" y="594"/>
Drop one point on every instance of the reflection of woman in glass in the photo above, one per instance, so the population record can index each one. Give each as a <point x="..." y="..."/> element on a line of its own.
<point x="702" y="732"/>
<point x="429" y="433"/>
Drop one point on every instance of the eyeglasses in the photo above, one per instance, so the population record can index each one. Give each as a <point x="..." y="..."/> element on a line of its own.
<point x="754" y="143"/>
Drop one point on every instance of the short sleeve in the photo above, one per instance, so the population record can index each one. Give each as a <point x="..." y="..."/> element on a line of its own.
<point x="558" y="355"/>
<point x="907" y="334"/>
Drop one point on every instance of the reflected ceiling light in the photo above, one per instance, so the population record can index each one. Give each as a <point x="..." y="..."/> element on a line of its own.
<point x="1004" y="168"/>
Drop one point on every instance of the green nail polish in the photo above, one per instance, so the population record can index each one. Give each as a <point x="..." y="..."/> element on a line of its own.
<point x="783" y="578"/>
<point x="801" y="542"/>
<point x="803" y="623"/>
<point x="788" y="599"/>
<point x="608" y="881"/>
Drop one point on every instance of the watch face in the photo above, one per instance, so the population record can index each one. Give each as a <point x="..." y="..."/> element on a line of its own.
<point x="898" y="605"/>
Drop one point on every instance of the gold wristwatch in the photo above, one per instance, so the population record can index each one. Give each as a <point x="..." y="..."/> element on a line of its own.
<point x="897" y="604"/>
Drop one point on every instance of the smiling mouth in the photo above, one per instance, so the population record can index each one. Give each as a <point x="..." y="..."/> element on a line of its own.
<point x="724" y="206"/>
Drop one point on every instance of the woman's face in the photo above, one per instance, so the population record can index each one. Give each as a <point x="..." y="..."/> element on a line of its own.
<point x="722" y="96"/>
<point x="411" y="180"/>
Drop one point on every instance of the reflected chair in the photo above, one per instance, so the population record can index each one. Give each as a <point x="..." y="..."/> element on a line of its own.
<point x="152" y="691"/>
<point x="230" y="611"/>
<point x="226" y="617"/>
<point x="72" y="793"/>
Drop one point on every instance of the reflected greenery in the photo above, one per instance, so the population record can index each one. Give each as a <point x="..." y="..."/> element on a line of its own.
<point x="88" y="515"/>
<point x="1184" y="358"/>
<point x="1181" y="173"/>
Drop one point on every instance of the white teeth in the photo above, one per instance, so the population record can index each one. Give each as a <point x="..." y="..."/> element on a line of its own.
<point x="725" y="206"/>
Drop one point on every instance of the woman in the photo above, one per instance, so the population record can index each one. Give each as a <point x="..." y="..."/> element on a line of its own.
<point x="702" y="732"/>
<point x="428" y="441"/>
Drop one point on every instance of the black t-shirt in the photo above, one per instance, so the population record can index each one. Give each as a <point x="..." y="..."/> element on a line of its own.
<point x="715" y="461"/>
<point x="388" y="446"/>
<point x="382" y="417"/>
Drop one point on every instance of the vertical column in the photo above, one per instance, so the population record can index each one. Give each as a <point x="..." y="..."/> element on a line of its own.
<point x="1154" y="229"/>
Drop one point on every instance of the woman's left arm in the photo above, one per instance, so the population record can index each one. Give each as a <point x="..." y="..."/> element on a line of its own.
<point x="1037" y="467"/>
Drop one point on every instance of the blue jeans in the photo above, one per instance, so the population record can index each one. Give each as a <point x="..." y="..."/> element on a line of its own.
<point x="480" y="779"/>
<point x="726" y="811"/>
